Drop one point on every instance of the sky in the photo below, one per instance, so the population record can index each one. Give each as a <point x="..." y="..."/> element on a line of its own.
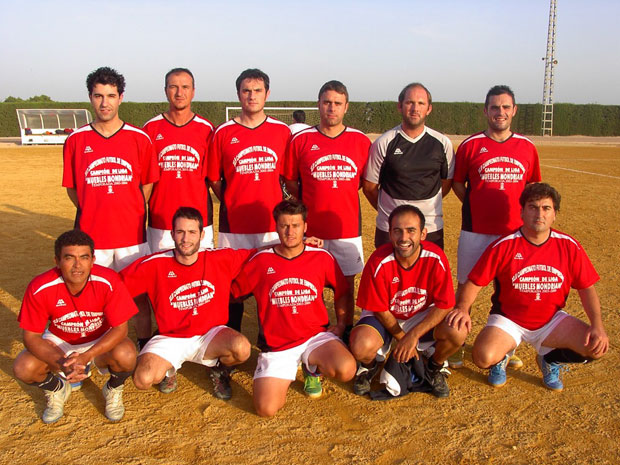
<point x="457" y="48"/>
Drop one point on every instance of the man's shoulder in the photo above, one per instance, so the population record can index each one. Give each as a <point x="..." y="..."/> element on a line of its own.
<point x="225" y="126"/>
<point x="442" y="138"/>
<point x="154" y="121"/>
<point x="198" y="119"/>
<point x="381" y="256"/>
<point x="132" y="130"/>
<point x="387" y="136"/>
<point x="433" y="252"/>
<point x="472" y="139"/>
<point x="80" y="132"/>
<point x="565" y="238"/>
<point x="45" y="280"/>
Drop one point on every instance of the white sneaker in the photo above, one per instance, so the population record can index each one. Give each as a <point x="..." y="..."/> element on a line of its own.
<point x="56" y="403"/>
<point x="114" y="408"/>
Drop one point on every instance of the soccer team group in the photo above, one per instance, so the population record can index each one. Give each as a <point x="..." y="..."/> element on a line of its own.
<point x="290" y="226"/>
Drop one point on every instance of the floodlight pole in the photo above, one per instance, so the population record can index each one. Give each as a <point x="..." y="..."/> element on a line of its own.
<point x="550" y="62"/>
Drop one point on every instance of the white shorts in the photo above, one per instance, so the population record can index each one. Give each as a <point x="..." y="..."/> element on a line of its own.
<point x="247" y="241"/>
<point x="68" y="348"/>
<point x="349" y="253"/>
<point x="471" y="246"/>
<point x="533" y="337"/>
<point x="283" y="363"/>
<point x="161" y="239"/>
<point x="117" y="259"/>
<point x="405" y="325"/>
<point x="177" y="350"/>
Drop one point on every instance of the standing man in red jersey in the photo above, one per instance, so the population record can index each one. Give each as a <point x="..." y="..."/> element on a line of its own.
<point x="492" y="168"/>
<point x="181" y="139"/>
<point x="323" y="168"/>
<point x="245" y="163"/>
<point x="109" y="171"/>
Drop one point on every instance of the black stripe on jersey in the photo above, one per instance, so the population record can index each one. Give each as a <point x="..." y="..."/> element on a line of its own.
<point x="466" y="220"/>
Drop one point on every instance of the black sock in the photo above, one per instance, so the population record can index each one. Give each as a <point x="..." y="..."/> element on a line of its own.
<point x="565" y="356"/>
<point x="50" y="383"/>
<point x="433" y="365"/>
<point x="117" y="378"/>
<point x="235" y="314"/>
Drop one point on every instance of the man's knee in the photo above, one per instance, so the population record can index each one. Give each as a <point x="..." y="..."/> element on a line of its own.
<point x="362" y="347"/>
<point x="485" y="357"/>
<point x="265" y="408"/>
<point x="240" y="348"/>
<point x="146" y="373"/>
<point x="124" y="355"/>
<point x="26" y="367"/>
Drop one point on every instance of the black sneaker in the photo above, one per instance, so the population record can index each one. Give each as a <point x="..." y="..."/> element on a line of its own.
<point x="220" y="376"/>
<point x="363" y="378"/>
<point x="437" y="379"/>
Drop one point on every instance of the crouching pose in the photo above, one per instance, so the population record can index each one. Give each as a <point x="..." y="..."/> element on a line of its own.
<point x="287" y="281"/>
<point x="405" y="294"/>
<point x="534" y="269"/>
<point x="87" y="307"/>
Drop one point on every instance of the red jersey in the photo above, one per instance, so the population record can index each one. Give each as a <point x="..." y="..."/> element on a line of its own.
<point x="495" y="174"/>
<point x="187" y="300"/>
<point x="103" y="303"/>
<point x="533" y="282"/>
<point x="329" y="171"/>
<point x="182" y="158"/>
<point x="108" y="173"/>
<point x="289" y="293"/>
<point x="386" y="285"/>
<point x="249" y="160"/>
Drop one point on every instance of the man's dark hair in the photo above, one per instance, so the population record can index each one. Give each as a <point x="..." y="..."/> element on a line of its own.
<point x="403" y="209"/>
<point x="401" y="96"/>
<point x="336" y="86"/>
<point x="178" y="71"/>
<point x="73" y="237"/>
<point x="252" y="73"/>
<point x="105" y="75"/>
<point x="299" y="116"/>
<point x="540" y="190"/>
<point x="290" y="207"/>
<point x="189" y="213"/>
<point x="499" y="90"/>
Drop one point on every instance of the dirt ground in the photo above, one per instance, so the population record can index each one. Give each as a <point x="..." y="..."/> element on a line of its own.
<point x="521" y="423"/>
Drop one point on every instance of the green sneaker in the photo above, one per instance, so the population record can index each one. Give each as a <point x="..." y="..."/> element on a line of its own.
<point x="312" y="384"/>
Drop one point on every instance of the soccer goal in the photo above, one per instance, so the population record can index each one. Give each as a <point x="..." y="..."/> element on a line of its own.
<point x="284" y="114"/>
<point x="50" y="126"/>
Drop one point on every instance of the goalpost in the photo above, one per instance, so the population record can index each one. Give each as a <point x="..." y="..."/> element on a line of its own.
<point x="284" y="114"/>
<point x="50" y="126"/>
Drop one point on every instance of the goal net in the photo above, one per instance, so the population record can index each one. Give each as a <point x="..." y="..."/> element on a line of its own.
<point x="284" y="114"/>
<point x="50" y="126"/>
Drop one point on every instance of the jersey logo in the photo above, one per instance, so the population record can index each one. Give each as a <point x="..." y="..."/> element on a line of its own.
<point x="172" y="275"/>
<point x="88" y="149"/>
<point x="395" y="280"/>
<point x="159" y="137"/>
<point x="315" y="147"/>
<point x="398" y="151"/>
<point x="234" y="140"/>
<point x="518" y="256"/>
<point x="61" y="303"/>
<point x="270" y="270"/>
<point x="483" y="150"/>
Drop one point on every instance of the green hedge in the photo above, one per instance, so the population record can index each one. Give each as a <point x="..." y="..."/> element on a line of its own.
<point x="450" y="118"/>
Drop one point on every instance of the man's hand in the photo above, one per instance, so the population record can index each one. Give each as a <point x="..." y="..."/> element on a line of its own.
<point x="459" y="319"/>
<point x="597" y="341"/>
<point x="314" y="242"/>
<point x="406" y="348"/>
<point x="337" y="329"/>
<point x="74" y="366"/>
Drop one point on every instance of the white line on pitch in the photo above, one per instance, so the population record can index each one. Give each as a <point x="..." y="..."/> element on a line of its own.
<point x="582" y="172"/>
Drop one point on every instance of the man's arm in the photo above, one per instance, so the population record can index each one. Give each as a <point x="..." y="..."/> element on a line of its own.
<point x="340" y="309"/>
<point x="459" y="190"/>
<point x="446" y="185"/>
<point x="44" y="350"/>
<point x="292" y="187"/>
<point x="72" y="193"/>
<point x="371" y="191"/>
<point x="406" y="348"/>
<point x="147" y="189"/>
<point x="459" y="317"/>
<point x="216" y="187"/>
<point x="596" y="337"/>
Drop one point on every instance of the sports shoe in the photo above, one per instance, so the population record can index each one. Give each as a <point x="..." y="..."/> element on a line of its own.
<point x="56" y="403"/>
<point x="312" y="383"/>
<point x="551" y="373"/>
<point x="455" y="361"/>
<point x="363" y="378"/>
<point x="114" y="408"/>
<point x="515" y="362"/>
<point x="497" y="373"/>
<point x="220" y="376"/>
<point x="168" y="384"/>
<point x="437" y="378"/>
